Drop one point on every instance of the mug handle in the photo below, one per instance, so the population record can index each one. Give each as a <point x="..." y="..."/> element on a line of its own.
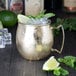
<point x="60" y="26"/>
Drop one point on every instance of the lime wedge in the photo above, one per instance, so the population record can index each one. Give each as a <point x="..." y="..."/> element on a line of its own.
<point x="23" y="18"/>
<point x="51" y="64"/>
<point x="1" y="26"/>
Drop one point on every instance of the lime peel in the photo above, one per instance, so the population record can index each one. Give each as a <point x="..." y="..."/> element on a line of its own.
<point x="51" y="64"/>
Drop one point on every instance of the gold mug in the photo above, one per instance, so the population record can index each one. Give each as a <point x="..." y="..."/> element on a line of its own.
<point x="34" y="42"/>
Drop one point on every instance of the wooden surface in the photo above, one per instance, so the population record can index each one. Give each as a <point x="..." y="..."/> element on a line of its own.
<point x="12" y="63"/>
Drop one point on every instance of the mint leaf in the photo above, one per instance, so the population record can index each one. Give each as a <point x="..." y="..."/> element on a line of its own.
<point x="60" y="72"/>
<point x="64" y="72"/>
<point x="48" y="15"/>
<point x="40" y="15"/>
<point x="56" y="72"/>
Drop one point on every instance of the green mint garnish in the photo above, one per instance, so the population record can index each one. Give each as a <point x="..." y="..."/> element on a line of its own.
<point x="69" y="61"/>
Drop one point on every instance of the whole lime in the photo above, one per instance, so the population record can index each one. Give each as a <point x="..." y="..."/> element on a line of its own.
<point x="8" y="18"/>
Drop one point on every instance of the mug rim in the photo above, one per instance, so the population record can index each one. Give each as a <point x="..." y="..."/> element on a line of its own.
<point x="48" y="24"/>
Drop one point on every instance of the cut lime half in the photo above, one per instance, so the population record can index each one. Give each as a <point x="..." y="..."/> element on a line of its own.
<point x="23" y="18"/>
<point x="51" y="64"/>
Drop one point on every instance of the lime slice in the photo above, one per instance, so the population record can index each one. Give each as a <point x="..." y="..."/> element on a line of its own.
<point x="1" y="26"/>
<point x="23" y="18"/>
<point x="51" y="64"/>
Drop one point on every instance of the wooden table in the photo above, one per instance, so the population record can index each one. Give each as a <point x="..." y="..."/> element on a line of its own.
<point x="13" y="64"/>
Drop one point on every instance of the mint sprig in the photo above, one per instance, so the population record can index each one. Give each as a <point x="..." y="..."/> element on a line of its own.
<point x="42" y="15"/>
<point x="68" y="23"/>
<point x="69" y="61"/>
<point x="61" y="72"/>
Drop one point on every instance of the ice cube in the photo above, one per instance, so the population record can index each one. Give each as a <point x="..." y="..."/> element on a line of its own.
<point x="44" y="21"/>
<point x="41" y="21"/>
<point x="8" y="38"/>
<point x="2" y="44"/>
<point x="5" y="30"/>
